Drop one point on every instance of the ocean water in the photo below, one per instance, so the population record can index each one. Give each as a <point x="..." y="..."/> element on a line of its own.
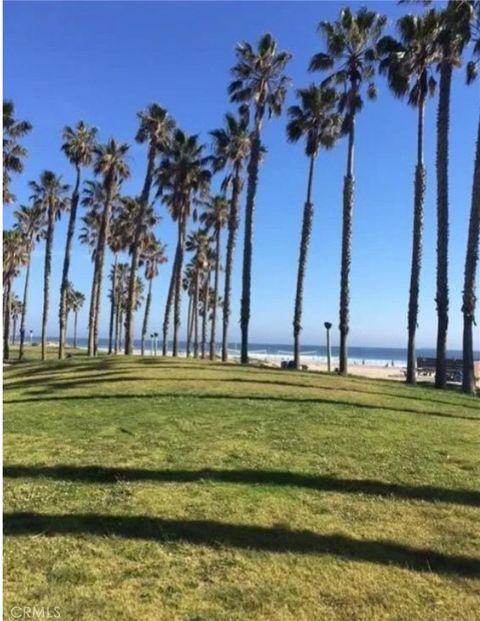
<point x="315" y="353"/>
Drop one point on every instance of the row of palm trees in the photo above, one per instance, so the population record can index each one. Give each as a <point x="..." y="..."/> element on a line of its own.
<point x="179" y="170"/>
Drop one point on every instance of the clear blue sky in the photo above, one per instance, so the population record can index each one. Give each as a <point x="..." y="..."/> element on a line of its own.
<point x="104" y="61"/>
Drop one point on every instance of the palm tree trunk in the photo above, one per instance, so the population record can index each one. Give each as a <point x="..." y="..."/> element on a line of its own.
<point x="182" y="223"/>
<point x="168" y="306"/>
<point x="91" y="313"/>
<point x="120" y="330"/>
<point x="129" y="318"/>
<point x="46" y="280"/>
<point x="189" y="325"/>
<point x="100" y="260"/>
<point x="117" y="328"/>
<point x="443" y="120"/>
<point x="420" y="184"/>
<point x="66" y="330"/>
<point x="145" y="317"/>
<point x="302" y="263"/>
<point x="206" y="288"/>
<point x="233" y="222"/>
<point x="253" y="166"/>
<point x="66" y="265"/>
<point x="24" y="306"/>
<point x="195" y="311"/>
<point x="348" y="189"/>
<point x="471" y="262"/>
<point x="75" y="330"/>
<point x="14" y="329"/>
<point x="113" y="305"/>
<point x="213" y="336"/>
<point x="6" y="319"/>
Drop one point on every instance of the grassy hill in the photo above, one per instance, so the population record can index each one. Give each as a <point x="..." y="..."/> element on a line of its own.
<point x="170" y="490"/>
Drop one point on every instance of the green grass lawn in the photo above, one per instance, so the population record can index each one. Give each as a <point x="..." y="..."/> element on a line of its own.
<point x="170" y="490"/>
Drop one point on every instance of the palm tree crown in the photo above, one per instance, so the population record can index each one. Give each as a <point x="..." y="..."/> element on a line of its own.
<point x="49" y="193"/>
<point x="79" y="143"/>
<point x="408" y="63"/>
<point x="13" y="152"/>
<point x="314" y="118"/>
<point x="110" y="161"/>
<point x="351" y="52"/>
<point x="259" y="77"/>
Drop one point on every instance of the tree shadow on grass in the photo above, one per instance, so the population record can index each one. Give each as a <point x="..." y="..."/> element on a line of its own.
<point x="110" y="369"/>
<point x="245" y="537"/>
<point x="321" y="483"/>
<point x="212" y="396"/>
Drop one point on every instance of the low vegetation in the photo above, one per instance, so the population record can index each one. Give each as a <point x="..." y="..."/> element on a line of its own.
<point x="173" y="489"/>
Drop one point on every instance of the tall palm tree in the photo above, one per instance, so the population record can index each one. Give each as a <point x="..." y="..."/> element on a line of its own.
<point x="471" y="259"/>
<point x="119" y="238"/>
<point x="49" y="193"/>
<point x="30" y="221"/>
<point x="198" y="244"/>
<point x="13" y="152"/>
<point x="408" y="64"/>
<point x="139" y="221"/>
<point x="156" y="127"/>
<point x="205" y="296"/>
<point x="188" y="285"/>
<point x="351" y="53"/>
<point x="15" y="314"/>
<point x="94" y="200"/>
<point x="215" y="218"/>
<point x="78" y="300"/>
<point x="315" y="120"/>
<point x="231" y="147"/>
<point x="182" y="177"/>
<point x="453" y="36"/>
<point x="78" y="145"/>
<point x="111" y="165"/>
<point x="259" y="81"/>
<point x="152" y="256"/>
<point x="15" y="254"/>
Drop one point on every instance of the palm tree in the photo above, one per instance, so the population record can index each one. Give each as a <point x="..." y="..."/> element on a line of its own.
<point x="49" y="194"/>
<point x="197" y="243"/>
<point x="205" y="297"/>
<point x="94" y="200"/>
<point x="30" y="221"/>
<point x="110" y="164"/>
<point x="231" y="147"/>
<point x="314" y="120"/>
<point x="120" y="237"/>
<point x="152" y="256"/>
<point x="182" y="176"/>
<point x="188" y="285"/>
<point x="471" y="259"/>
<point x="156" y="127"/>
<point x="215" y="218"/>
<point x="453" y="36"/>
<point x="139" y="222"/>
<point x="351" y="52"/>
<point x="15" y="256"/>
<point x="15" y="314"/>
<point x="78" y="145"/>
<point x="78" y="301"/>
<point x="408" y="64"/>
<point x="260" y="81"/>
<point x="13" y="152"/>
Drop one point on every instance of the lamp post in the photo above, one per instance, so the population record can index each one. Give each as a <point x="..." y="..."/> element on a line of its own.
<point x="328" y="325"/>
